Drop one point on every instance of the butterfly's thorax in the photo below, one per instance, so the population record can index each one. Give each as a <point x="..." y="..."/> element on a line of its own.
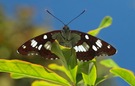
<point x="66" y="33"/>
<point x="66" y="37"/>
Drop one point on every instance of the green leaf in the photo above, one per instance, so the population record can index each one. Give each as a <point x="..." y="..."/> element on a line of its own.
<point x="73" y="72"/>
<point x="106" y="22"/>
<point x="67" y="55"/>
<point x="103" y="78"/>
<point x="70" y="73"/>
<point x="43" y="83"/>
<point x="109" y="63"/>
<point x="70" y="57"/>
<point x="56" y="49"/>
<point x="60" y="68"/>
<point x="20" y="69"/>
<point x="125" y="74"/>
<point x="17" y="76"/>
<point x="90" y="77"/>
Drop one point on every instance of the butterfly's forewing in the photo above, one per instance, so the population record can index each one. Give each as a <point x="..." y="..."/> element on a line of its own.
<point x="89" y="47"/>
<point x="40" y="45"/>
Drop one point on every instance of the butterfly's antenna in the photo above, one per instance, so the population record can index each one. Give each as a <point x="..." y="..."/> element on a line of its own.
<point x="55" y="17"/>
<point x="76" y="17"/>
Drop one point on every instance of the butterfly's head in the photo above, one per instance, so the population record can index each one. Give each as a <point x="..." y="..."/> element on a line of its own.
<point x="66" y="28"/>
<point x="65" y="32"/>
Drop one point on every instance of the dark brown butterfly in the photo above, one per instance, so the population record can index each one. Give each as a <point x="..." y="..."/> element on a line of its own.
<point x="85" y="45"/>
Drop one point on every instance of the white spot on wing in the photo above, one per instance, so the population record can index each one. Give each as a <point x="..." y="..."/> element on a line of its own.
<point x="82" y="49"/>
<point x="39" y="47"/>
<point x="85" y="60"/>
<point x="94" y="48"/>
<point x="45" y="37"/>
<point x="98" y="43"/>
<point x="23" y="46"/>
<point x="51" y="59"/>
<point x="56" y="58"/>
<point x="17" y="52"/>
<point x="76" y="49"/>
<point x="86" y="36"/>
<point x="86" y="46"/>
<point x="108" y="46"/>
<point x="79" y="48"/>
<point x="48" y="45"/>
<point x="32" y="54"/>
<point x="33" y="43"/>
<point x="36" y="53"/>
<point x="81" y="60"/>
<point x="45" y="45"/>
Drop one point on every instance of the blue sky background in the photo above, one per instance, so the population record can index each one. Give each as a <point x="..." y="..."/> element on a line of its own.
<point x="121" y="33"/>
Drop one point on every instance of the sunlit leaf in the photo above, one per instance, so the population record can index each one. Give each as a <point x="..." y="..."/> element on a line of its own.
<point x="125" y="74"/>
<point x="73" y="72"/>
<point x="56" y="49"/>
<point x="43" y="83"/>
<point x="68" y="58"/>
<point x="17" y="76"/>
<point x="70" y="73"/>
<point x="20" y="69"/>
<point x="90" y="77"/>
<point x="106" y="22"/>
<point x="103" y="78"/>
<point x="109" y="63"/>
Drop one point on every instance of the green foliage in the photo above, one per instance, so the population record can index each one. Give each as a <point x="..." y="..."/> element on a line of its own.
<point x="21" y="69"/>
<point x="90" y="76"/>
<point x="109" y="63"/>
<point x="125" y="74"/>
<point x="106" y="22"/>
<point x="43" y="83"/>
<point x="69" y="72"/>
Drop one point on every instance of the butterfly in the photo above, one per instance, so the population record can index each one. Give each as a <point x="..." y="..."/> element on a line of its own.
<point x="85" y="45"/>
